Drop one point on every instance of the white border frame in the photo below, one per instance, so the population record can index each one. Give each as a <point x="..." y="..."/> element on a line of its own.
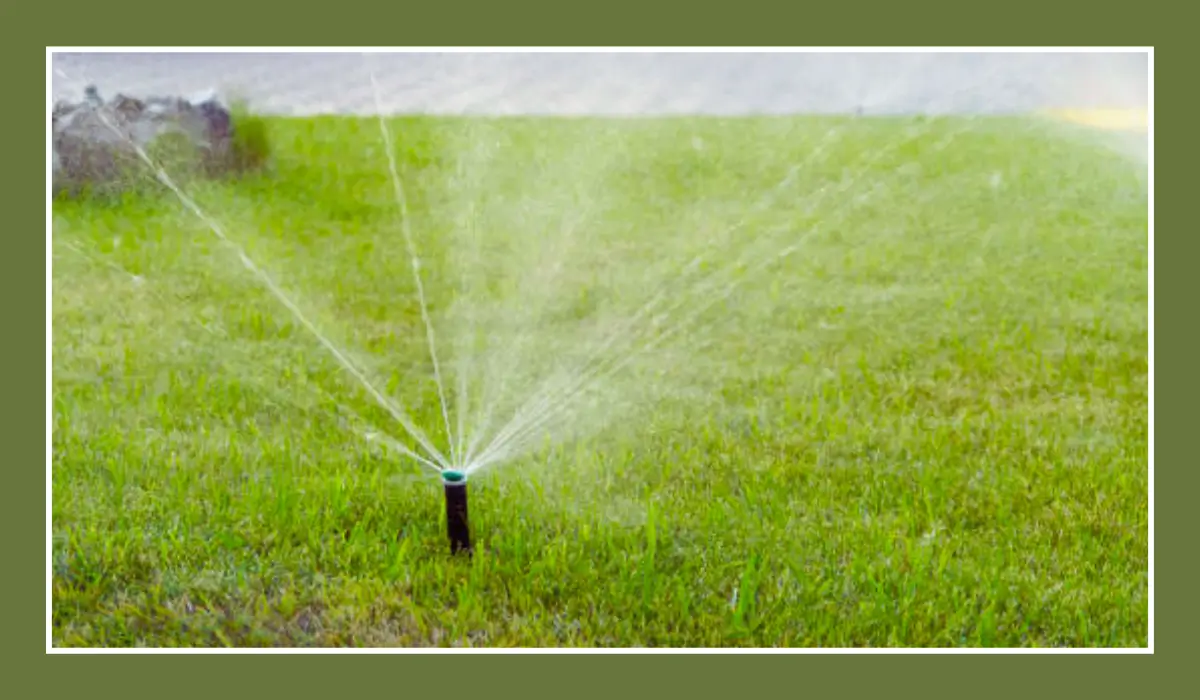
<point x="51" y="51"/>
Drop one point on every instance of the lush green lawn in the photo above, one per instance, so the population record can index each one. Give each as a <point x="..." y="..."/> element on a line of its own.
<point x="926" y="425"/>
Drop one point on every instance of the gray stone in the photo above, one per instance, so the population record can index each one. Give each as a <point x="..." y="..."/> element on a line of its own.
<point x="96" y="143"/>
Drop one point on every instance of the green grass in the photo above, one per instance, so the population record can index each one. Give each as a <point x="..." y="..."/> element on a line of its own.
<point x="927" y="426"/>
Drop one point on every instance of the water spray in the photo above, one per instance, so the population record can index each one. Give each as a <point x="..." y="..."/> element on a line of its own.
<point x="457" y="527"/>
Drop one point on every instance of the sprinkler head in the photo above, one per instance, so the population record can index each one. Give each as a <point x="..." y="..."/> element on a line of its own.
<point x="454" y="484"/>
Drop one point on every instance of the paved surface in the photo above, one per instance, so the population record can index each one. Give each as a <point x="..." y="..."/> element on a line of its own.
<point x="625" y="84"/>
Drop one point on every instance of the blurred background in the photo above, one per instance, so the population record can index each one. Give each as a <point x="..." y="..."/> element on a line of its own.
<point x="625" y="83"/>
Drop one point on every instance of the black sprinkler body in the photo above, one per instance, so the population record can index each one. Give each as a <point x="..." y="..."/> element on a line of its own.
<point x="457" y="526"/>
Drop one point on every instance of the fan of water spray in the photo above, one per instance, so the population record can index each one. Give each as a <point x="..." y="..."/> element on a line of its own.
<point x="671" y="310"/>
<point x="506" y="404"/>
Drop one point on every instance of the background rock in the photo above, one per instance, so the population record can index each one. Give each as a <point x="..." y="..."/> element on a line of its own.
<point x="95" y="142"/>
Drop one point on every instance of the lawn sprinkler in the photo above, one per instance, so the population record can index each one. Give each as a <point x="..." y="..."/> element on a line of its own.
<point x="457" y="528"/>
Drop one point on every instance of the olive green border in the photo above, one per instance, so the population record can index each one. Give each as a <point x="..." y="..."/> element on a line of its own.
<point x="26" y="28"/>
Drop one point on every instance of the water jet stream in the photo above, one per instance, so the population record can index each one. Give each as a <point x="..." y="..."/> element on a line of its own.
<point x="537" y="402"/>
<point x="406" y="228"/>
<point x="507" y="357"/>
<point x="501" y="448"/>
<point x="541" y="408"/>
<point x="556" y="395"/>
